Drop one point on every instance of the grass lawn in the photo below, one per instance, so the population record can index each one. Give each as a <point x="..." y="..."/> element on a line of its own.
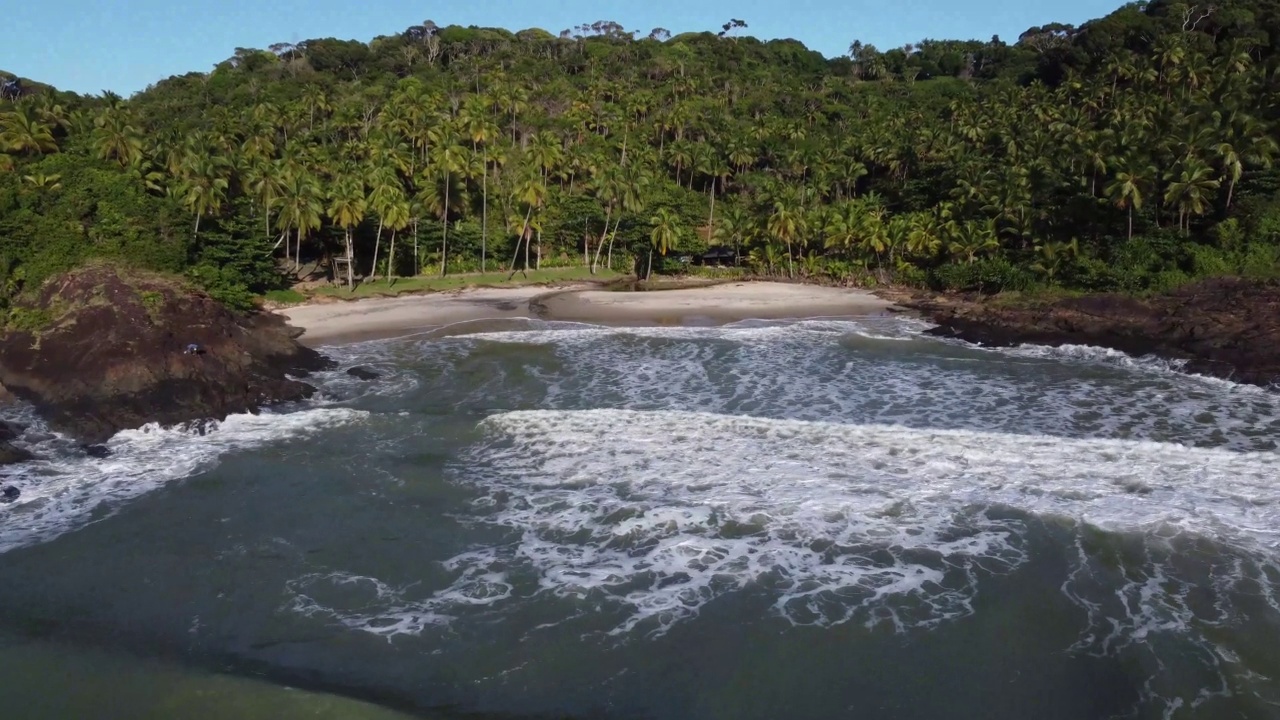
<point x="463" y="280"/>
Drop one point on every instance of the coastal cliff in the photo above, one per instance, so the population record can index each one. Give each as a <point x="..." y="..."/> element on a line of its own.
<point x="1226" y="327"/>
<point x="101" y="349"/>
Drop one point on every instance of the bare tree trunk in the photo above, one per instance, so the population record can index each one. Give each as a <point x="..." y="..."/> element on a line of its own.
<point x="417" y="267"/>
<point x="648" y="271"/>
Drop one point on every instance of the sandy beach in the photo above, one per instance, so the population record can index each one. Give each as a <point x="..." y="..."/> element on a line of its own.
<point x="375" y="318"/>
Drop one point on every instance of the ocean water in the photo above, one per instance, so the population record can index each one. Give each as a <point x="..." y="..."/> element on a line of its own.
<point x="802" y="519"/>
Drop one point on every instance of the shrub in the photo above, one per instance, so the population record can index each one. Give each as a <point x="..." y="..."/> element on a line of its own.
<point x="988" y="275"/>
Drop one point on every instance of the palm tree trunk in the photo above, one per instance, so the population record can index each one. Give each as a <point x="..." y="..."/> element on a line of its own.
<point x="444" y="228"/>
<point x="600" y="245"/>
<point x="416" y="267"/>
<point x="648" y="270"/>
<point x="791" y="267"/>
<point x="196" y="232"/>
<point x="524" y="229"/>
<point x="609" y="260"/>
<point x="1130" y="219"/>
<point x="391" y="255"/>
<point x="377" y="242"/>
<point x="484" y="210"/>
<point x="711" y="218"/>
<point x="351" y="280"/>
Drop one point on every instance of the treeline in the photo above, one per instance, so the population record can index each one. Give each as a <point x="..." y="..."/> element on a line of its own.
<point x="1132" y="153"/>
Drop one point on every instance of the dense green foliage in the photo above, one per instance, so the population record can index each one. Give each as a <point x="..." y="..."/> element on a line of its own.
<point x="1131" y="153"/>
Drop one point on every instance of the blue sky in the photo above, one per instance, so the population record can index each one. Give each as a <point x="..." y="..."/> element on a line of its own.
<point x="124" y="45"/>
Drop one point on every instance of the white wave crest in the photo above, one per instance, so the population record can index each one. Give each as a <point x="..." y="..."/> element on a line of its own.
<point x="659" y="513"/>
<point x="67" y="489"/>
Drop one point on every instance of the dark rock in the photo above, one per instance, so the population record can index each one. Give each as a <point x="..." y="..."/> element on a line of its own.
<point x="363" y="373"/>
<point x="109" y="355"/>
<point x="97" y="451"/>
<point x="1226" y="327"/>
<point x="10" y="430"/>
<point x="10" y="454"/>
<point x="9" y="494"/>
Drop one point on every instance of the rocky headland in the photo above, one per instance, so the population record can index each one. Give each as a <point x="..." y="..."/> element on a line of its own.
<point x="1225" y="327"/>
<point x="102" y="349"/>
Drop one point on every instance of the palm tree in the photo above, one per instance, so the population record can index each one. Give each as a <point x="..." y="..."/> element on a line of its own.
<point x="300" y="209"/>
<point x="1189" y="186"/>
<point x="786" y="223"/>
<point x="1232" y="166"/>
<point x="265" y="185"/>
<point x="43" y="182"/>
<point x="532" y="194"/>
<point x="482" y="131"/>
<point x="396" y="215"/>
<point x="386" y="192"/>
<point x="203" y="187"/>
<point x="663" y="237"/>
<point x="450" y="160"/>
<point x="115" y="138"/>
<point x="22" y="132"/>
<point x="347" y="206"/>
<point x="1126" y="190"/>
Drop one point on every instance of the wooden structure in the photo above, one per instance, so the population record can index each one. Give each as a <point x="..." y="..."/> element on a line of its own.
<point x="342" y="270"/>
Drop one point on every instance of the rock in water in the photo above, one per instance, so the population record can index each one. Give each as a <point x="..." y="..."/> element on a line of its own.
<point x="9" y="494"/>
<point x="8" y="453"/>
<point x="97" y="451"/>
<point x="363" y="373"/>
<point x="101" y="349"/>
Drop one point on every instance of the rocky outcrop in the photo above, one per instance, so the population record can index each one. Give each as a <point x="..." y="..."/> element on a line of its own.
<point x="1227" y="327"/>
<point x="100" y="349"/>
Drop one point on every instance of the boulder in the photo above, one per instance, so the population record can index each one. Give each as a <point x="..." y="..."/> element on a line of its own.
<point x="102" y="349"/>
<point x="363" y="373"/>
<point x="1225" y="327"/>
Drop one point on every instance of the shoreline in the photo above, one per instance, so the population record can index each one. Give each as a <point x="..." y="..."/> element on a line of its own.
<point x="367" y="319"/>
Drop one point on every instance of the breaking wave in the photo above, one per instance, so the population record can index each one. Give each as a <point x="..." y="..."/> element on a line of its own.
<point x="65" y="488"/>
<point x="660" y="513"/>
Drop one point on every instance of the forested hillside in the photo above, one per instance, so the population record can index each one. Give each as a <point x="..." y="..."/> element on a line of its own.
<point x="1131" y="153"/>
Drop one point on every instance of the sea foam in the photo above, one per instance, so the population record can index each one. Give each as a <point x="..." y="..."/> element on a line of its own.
<point x="658" y="513"/>
<point x="66" y="489"/>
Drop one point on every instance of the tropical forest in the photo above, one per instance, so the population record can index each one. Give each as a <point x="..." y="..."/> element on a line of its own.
<point x="1132" y="153"/>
